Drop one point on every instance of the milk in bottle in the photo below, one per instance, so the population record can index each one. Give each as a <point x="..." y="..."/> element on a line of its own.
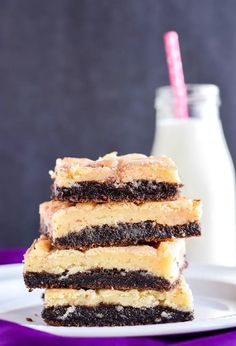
<point x="197" y="145"/>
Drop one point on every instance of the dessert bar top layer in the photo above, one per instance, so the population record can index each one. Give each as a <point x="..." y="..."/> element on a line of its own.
<point x="114" y="169"/>
<point x="62" y="218"/>
<point x="178" y="298"/>
<point x="165" y="260"/>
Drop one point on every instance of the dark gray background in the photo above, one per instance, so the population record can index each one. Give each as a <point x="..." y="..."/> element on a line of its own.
<point x="78" y="78"/>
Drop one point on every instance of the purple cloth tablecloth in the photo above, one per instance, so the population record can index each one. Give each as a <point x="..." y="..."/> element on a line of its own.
<point x="12" y="334"/>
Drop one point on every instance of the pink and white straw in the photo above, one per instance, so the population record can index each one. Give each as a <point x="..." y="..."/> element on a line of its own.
<point x="176" y="74"/>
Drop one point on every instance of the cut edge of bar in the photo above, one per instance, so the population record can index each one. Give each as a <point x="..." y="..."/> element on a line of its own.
<point x="101" y="279"/>
<point x="138" y="190"/>
<point x="113" y="315"/>
<point x="124" y="234"/>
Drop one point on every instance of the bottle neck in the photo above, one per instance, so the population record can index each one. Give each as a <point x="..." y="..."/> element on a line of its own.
<point x="203" y="102"/>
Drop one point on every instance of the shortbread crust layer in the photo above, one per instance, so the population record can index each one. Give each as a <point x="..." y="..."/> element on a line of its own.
<point x="70" y="307"/>
<point x="156" y="267"/>
<point x="133" y="177"/>
<point x="85" y="225"/>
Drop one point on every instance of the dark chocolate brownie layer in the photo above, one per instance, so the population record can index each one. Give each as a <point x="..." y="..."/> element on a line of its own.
<point x="141" y="190"/>
<point x="124" y="234"/>
<point x="113" y="315"/>
<point x="98" y="278"/>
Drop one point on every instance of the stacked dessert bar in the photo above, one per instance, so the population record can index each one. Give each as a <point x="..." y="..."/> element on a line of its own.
<point x="112" y="248"/>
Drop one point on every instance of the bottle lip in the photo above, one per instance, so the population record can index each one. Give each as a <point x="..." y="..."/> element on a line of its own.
<point x="196" y="93"/>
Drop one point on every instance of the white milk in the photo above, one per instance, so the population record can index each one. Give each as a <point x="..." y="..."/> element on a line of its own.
<point x="199" y="149"/>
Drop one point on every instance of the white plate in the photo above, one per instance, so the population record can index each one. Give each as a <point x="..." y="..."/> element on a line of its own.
<point x="214" y="290"/>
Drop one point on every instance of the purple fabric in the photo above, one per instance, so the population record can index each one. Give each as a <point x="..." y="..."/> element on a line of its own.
<point x="9" y="256"/>
<point x="12" y="334"/>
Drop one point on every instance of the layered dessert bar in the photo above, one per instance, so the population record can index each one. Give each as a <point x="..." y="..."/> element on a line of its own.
<point x="133" y="177"/>
<point x="143" y="266"/>
<point x="70" y="307"/>
<point x="86" y="225"/>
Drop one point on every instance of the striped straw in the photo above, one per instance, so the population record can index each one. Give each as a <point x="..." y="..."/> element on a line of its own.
<point x="176" y="74"/>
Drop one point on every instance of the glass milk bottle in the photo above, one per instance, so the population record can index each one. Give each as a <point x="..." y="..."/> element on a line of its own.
<point x="198" y="147"/>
